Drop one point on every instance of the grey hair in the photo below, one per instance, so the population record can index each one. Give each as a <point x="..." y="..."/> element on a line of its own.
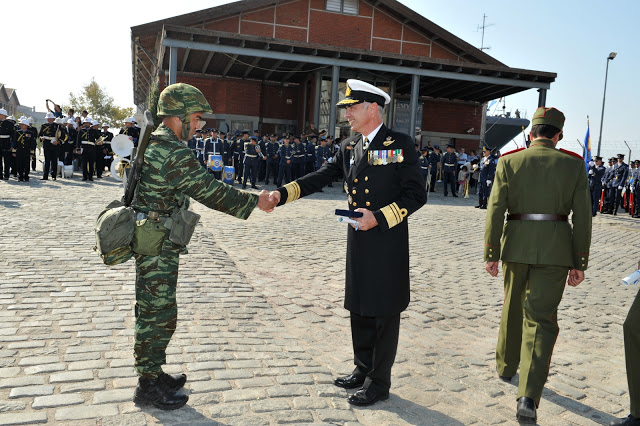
<point x="380" y="109"/>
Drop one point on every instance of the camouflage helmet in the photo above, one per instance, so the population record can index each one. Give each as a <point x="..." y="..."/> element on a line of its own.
<point x="181" y="99"/>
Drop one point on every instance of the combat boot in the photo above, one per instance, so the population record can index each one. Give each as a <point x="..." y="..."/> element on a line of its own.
<point x="154" y="392"/>
<point x="173" y="381"/>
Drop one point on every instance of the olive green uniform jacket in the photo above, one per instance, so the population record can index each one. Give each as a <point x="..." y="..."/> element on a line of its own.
<point x="540" y="179"/>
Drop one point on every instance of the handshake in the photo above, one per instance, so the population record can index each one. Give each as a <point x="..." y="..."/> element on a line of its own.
<point x="268" y="201"/>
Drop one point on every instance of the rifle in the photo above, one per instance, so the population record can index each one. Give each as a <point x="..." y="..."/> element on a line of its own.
<point x="138" y="160"/>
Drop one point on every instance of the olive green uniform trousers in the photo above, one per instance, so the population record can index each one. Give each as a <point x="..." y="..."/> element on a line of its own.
<point x="631" y="330"/>
<point x="156" y="309"/>
<point x="528" y="326"/>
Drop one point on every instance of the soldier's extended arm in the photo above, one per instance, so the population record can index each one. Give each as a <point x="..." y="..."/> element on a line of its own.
<point x="183" y="171"/>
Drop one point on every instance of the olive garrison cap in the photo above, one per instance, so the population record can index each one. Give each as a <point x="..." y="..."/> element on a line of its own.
<point x="549" y="117"/>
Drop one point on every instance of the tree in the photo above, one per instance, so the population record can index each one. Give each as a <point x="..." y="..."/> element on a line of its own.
<point x="98" y="104"/>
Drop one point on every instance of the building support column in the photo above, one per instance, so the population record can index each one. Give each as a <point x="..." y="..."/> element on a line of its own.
<point x="413" y="108"/>
<point x="316" y="98"/>
<point x="173" y="64"/>
<point x="392" y="103"/>
<point x="542" y="97"/>
<point x="335" y="82"/>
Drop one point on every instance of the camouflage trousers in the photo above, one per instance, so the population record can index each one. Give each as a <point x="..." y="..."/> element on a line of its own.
<point x="156" y="310"/>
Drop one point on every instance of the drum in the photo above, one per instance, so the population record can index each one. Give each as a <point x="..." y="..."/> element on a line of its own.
<point x="227" y="176"/>
<point x="215" y="162"/>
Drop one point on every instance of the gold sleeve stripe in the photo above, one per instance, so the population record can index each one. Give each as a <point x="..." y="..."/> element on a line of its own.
<point x="393" y="214"/>
<point x="293" y="191"/>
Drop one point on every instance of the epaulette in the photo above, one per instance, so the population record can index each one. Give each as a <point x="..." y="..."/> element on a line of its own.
<point x="511" y="152"/>
<point x="571" y="153"/>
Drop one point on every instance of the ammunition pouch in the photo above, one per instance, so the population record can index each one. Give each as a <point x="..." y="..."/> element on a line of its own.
<point x="148" y="237"/>
<point x="181" y="224"/>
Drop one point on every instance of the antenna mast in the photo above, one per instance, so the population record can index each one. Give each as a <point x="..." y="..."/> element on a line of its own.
<point x="484" y="25"/>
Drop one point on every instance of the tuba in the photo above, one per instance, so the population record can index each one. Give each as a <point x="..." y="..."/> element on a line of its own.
<point x="122" y="146"/>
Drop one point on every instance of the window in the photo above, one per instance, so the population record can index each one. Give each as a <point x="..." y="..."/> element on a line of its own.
<point x="343" y="6"/>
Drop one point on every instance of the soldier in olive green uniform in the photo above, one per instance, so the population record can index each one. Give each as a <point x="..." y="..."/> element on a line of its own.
<point x="169" y="176"/>
<point x="539" y="187"/>
<point x="631" y="329"/>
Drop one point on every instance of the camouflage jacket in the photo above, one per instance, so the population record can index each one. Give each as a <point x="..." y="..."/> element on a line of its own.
<point x="170" y="171"/>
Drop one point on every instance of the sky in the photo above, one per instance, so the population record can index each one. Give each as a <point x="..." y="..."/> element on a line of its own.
<point x="569" y="37"/>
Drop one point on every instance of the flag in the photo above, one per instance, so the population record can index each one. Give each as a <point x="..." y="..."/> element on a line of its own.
<point x="587" y="147"/>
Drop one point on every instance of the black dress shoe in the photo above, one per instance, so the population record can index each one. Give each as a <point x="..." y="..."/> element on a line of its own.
<point x="455" y="195"/>
<point x="367" y="397"/>
<point x="173" y="381"/>
<point x="483" y="207"/>
<point x="349" y="382"/>
<point x="153" y="391"/>
<point x="254" y="187"/>
<point x="44" y="178"/>
<point x="526" y="410"/>
<point x="629" y="420"/>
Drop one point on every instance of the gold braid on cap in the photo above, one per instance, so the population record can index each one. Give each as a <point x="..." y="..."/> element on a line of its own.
<point x="293" y="191"/>
<point x="393" y="214"/>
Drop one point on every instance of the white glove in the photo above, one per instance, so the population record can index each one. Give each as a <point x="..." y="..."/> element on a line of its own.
<point x="633" y="189"/>
<point x="592" y="163"/>
<point x="620" y="187"/>
<point x="590" y="172"/>
<point x="488" y="183"/>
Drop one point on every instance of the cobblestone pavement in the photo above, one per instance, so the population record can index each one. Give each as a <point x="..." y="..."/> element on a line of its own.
<point x="262" y="332"/>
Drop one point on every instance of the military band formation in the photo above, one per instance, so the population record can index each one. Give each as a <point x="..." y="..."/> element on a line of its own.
<point x="71" y="143"/>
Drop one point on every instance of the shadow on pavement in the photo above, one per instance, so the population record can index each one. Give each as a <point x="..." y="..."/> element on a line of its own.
<point x="415" y="414"/>
<point x="577" y="407"/>
<point x="186" y="415"/>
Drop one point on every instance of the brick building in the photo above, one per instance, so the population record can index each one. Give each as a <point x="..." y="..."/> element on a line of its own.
<point x="278" y="65"/>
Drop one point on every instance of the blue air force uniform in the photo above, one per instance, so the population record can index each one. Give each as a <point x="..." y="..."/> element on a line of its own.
<point x="620" y="175"/>
<point x="286" y="154"/>
<point x="299" y="157"/>
<point x="273" y="159"/>
<point x="251" y="162"/>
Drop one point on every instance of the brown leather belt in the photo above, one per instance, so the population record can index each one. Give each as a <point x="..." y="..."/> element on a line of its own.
<point x="539" y="217"/>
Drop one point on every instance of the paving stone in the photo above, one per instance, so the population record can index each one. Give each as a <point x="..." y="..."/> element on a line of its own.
<point x="331" y="415"/>
<point x="52" y="401"/>
<point x="243" y="395"/>
<point x="86" y="412"/>
<point x="31" y="391"/>
<point x="45" y="368"/>
<point x="71" y="376"/>
<point x="21" y="381"/>
<point x="37" y="360"/>
<point x="270" y="404"/>
<point x="11" y="406"/>
<point x="287" y="391"/>
<point x="232" y="374"/>
<point x="116" y="395"/>
<point x="297" y="417"/>
<point x="23" y="418"/>
<point x="93" y="385"/>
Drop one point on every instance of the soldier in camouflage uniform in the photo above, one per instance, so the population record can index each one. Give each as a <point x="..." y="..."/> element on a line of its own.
<point x="169" y="176"/>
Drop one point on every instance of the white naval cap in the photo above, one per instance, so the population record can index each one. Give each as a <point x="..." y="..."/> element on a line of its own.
<point x="71" y="121"/>
<point x="3" y="111"/>
<point x="87" y="120"/>
<point x="359" y="91"/>
<point x="105" y="125"/>
<point x="49" y="115"/>
<point x="11" y="118"/>
<point x="94" y="122"/>
<point x="128" y="120"/>
<point x="25" y="121"/>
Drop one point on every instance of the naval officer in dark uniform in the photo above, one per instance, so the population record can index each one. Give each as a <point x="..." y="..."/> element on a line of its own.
<point x="384" y="183"/>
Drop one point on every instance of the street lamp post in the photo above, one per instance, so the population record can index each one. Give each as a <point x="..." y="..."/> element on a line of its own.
<point x="611" y="56"/>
